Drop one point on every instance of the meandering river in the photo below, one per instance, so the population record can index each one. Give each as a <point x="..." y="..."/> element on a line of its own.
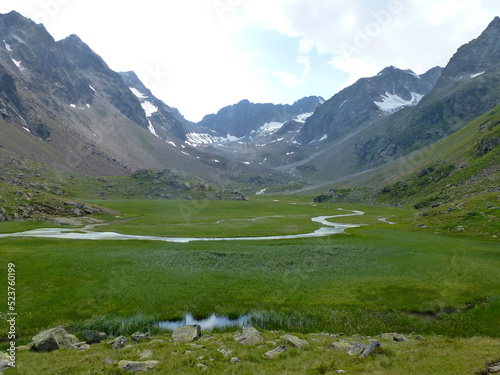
<point x="328" y="229"/>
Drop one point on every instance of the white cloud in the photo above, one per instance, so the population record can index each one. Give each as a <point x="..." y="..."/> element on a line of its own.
<point x="288" y="79"/>
<point x="363" y="38"/>
<point x="304" y="60"/>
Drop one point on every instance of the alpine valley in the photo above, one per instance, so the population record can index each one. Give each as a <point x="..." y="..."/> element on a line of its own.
<point x="233" y="217"/>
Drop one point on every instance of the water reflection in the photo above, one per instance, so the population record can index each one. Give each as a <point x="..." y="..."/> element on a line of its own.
<point x="208" y="324"/>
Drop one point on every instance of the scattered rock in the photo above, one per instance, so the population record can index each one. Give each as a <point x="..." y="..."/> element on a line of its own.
<point x="146" y="354"/>
<point x="138" y="337"/>
<point x="250" y="336"/>
<point x="295" y="341"/>
<point x="4" y="362"/>
<point x="356" y="349"/>
<point x="369" y="349"/>
<point x="494" y="369"/>
<point x="275" y="352"/>
<point x="187" y="333"/>
<point x="82" y="346"/>
<point x="4" y="365"/>
<point x="109" y="361"/>
<point x="132" y="366"/>
<point x="63" y="221"/>
<point x="339" y="345"/>
<point x="235" y="360"/>
<point x="225" y="353"/>
<point x="394" y="336"/>
<point x="94" y="337"/>
<point x="53" y="339"/>
<point x="118" y="343"/>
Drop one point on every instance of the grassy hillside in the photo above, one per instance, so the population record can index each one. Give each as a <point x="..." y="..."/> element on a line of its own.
<point x="430" y="355"/>
<point x="454" y="183"/>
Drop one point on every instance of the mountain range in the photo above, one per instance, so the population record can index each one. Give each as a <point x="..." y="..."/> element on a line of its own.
<point x="62" y="106"/>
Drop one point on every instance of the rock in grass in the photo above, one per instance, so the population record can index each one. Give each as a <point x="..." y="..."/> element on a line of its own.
<point x="356" y="349"/>
<point x="53" y="339"/>
<point x="340" y="345"/>
<point x="82" y="346"/>
<point x="94" y="337"/>
<point x="138" y="336"/>
<point x="369" y="349"/>
<point x="132" y="366"/>
<point x="224" y="352"/>
<point x="275" y="352"/>
<point x="494" y="369"/>
<point x="295" y="341"/>
<point x="250" y="336"/>
<point x="235" y="360"/>
<point x="187" y="333"/>
<point x="118" y="343"/>
<point x="146" y="354"/>
<point x="394" y="337"/>
<point x="4" y="365"/>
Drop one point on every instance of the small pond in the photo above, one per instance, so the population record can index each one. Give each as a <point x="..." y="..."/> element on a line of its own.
<point x="207" y="324"/>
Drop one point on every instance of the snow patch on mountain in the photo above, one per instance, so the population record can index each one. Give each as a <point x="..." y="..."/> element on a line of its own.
<point x="7" y="46"/>
<point x="196" y="139"/>
<point x="269" y="127"/>
<point x="476" y="75"/>
<point x="18" y="63"/>
<point x="137" y="93"/>
<point x="392" y="103"/>
<point x="303" y="117"/>
<point x="152" y="129"/>
<point x="149" y="108"/>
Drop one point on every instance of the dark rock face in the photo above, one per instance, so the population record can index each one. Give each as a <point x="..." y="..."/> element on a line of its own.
<point x="167" y="121"/>
<point x="85" y="60"/>
<point x="467" y="87"/>
<point x="481" y="55"/>
<point x="357" y="105"/>
<point x="241" y="119"/>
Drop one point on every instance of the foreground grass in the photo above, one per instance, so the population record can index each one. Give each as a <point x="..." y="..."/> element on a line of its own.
<point x="434" y="355"/>
<point x="378" y="278"/>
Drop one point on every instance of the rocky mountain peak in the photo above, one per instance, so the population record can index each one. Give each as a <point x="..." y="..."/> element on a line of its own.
<point x="367" y="100"/>
<point x="241" y="119"/>
<point x="475" y="58"/>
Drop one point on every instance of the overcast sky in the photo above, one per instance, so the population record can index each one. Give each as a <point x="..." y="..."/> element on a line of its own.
<point x="202" y="55"/>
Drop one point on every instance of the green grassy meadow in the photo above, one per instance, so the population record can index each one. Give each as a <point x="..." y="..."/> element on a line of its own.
<point x="375" y="278"/>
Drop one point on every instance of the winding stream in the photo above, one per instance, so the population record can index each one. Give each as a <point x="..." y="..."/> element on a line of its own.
<point x="328" y="229"/>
